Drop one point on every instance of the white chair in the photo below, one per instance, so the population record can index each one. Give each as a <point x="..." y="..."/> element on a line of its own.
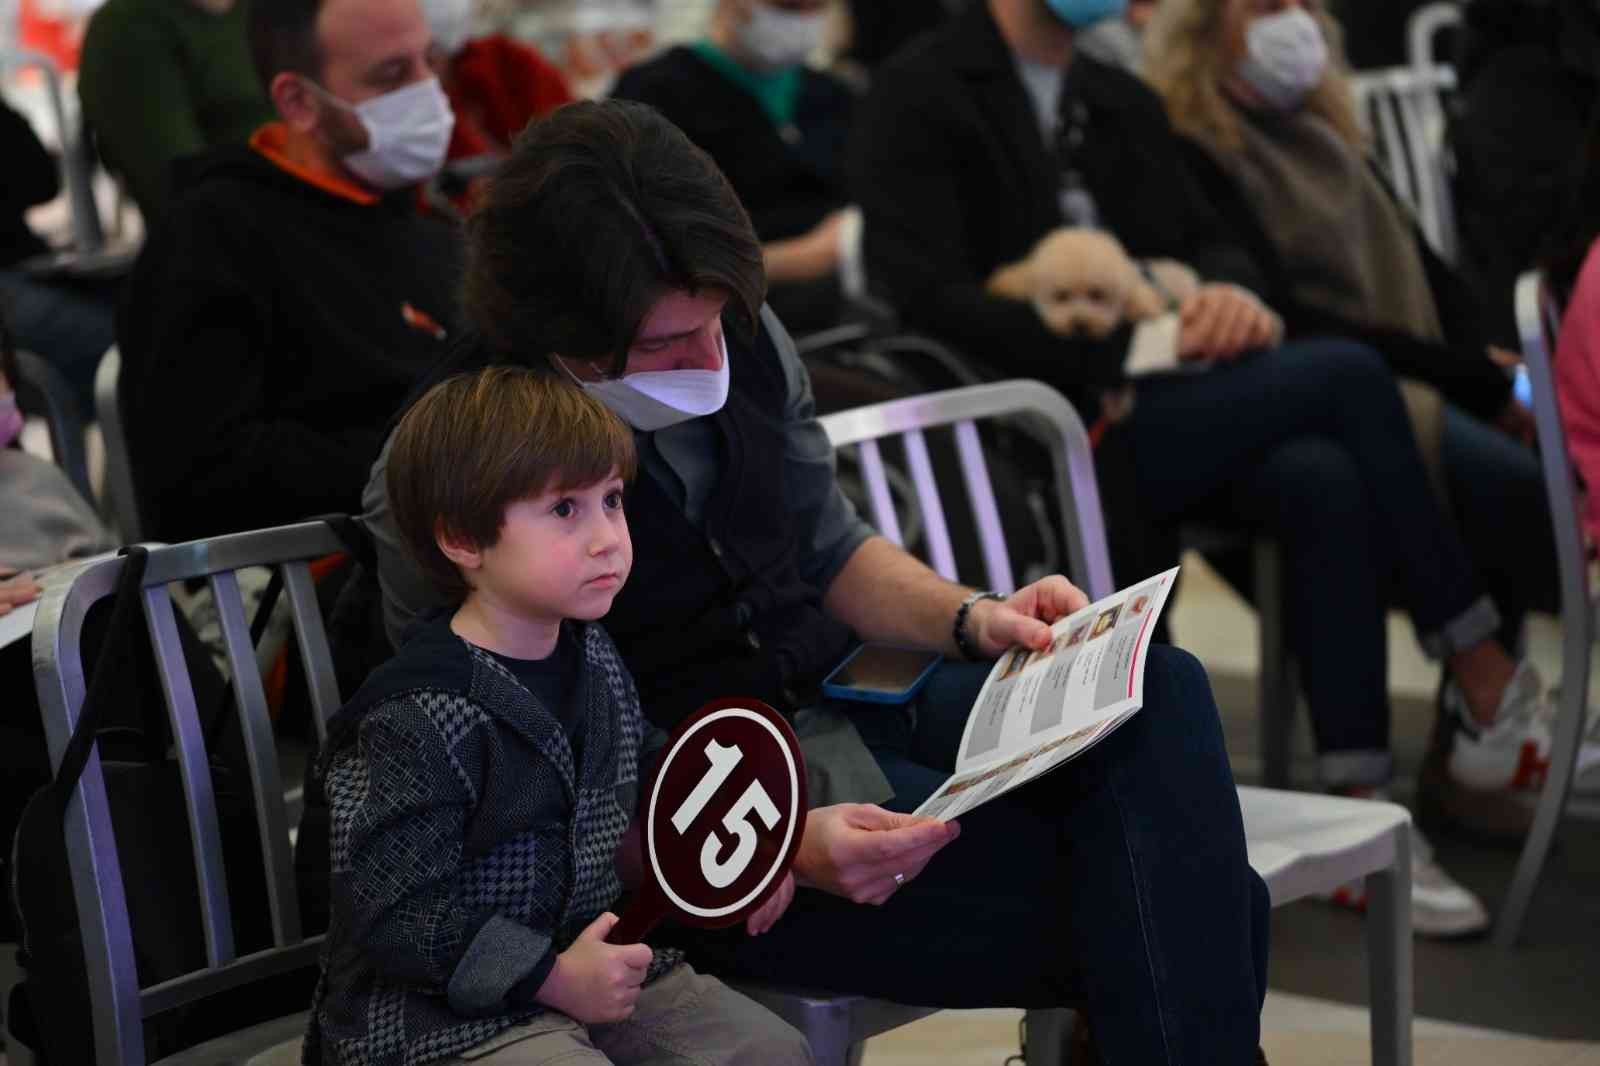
<point x="120" y="504"/>
<point x="1403" y="109"/>
<point x="1424" y="25"/>
<point x="1299" y="843"/>
<point x="1538" y="323"/>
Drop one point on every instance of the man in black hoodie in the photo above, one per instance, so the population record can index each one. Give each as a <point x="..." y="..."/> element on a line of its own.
<point x="293" y="293"/>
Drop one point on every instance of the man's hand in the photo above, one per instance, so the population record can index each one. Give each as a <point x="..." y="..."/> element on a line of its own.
<point x="594" y="981"/>
<point x="769" y="912"/>
<point x="855" y="850"/>
<point x="1223" y="321"/>
<point x="1024" y="618"/>
<point x="16" y="590"/>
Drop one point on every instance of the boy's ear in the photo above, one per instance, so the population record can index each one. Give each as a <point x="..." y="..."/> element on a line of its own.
<point x="458" y="549"/>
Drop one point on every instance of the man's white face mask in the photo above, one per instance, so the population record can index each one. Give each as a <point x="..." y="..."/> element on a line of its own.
<point x="776" y="39"/>
<point x="408" y="134"/>
<point x="656" y="399"/>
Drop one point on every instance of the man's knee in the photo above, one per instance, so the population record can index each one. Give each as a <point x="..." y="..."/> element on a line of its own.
<point x="1178" y="670"/>
<point x="778" y="1043"/>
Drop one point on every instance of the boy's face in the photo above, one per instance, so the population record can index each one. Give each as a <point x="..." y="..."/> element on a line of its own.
<point x="562" y="554"/>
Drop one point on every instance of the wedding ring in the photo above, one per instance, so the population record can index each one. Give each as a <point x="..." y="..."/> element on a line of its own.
<point x="899" y="879"/>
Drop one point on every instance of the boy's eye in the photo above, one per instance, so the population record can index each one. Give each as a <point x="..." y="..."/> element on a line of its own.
<point x="613" y="501"/>
<point x="563" y="509"/>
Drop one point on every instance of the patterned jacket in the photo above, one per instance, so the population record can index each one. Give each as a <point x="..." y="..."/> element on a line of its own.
<point x="466" y="846"/>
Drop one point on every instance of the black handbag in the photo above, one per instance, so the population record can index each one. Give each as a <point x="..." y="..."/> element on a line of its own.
<point x="50" y="1008"/>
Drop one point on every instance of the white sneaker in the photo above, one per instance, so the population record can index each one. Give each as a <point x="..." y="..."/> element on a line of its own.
<point x="1441" y="907"/>
<point x="1514" y="751"/>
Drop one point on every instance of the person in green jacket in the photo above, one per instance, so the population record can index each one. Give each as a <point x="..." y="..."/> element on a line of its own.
<point x="161" y="79"/>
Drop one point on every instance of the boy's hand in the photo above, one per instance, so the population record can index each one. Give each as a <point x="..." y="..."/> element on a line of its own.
<point x="594" y="981"/>
<point x="15" y="590"/>
<point x="767" y="916"/>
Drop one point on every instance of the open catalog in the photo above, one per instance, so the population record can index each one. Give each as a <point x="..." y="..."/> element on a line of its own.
<point x="1040" y="708"/>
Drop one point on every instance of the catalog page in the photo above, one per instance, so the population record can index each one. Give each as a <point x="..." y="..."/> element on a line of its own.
<point x="1040" y="708"/>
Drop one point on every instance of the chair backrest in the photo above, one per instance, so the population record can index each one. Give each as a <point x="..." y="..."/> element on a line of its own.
<point x="42" y="391"/>
<point x="1403" y="109"/>
<point x="121" y="506"/>
<point x="1424" y="26"/>
<point x="77" y="169"/>
<point x="120" y="1005"/>
<point x="1035" y="408"/>
<point x="1538" y="322"/>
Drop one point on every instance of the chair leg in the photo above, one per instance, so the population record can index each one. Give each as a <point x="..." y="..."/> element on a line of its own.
<point x="1277" y="698"/>
<point x="1553" y="797"/>
<point x="1389" y="972"/>
<point x="1048" y="1037"/>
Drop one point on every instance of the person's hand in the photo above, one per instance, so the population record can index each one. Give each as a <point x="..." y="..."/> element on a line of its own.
<point x="1517" y="422"/>
<point x="1224" y="321"/>
<point x="15" y="590"/>
<point x="855" y="850"/>
<point x="1503" y="358"/>
<point x="594" y="981"/>
<point x="767" y="915"/>
<point x="827" y="242"/>
<point x="1024" y="617"/>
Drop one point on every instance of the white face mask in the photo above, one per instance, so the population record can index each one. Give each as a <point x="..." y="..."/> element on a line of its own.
<point x="656" y="399"/>
<point x="408" y="133"/>
<point x="450" y="21"/>
<point x="1287" y="58"/>
<point x="775" y="38"/>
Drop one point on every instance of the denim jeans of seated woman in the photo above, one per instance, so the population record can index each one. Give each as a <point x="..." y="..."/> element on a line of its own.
<point x="1117" y="884"/>
<point x="1310" y="443"/>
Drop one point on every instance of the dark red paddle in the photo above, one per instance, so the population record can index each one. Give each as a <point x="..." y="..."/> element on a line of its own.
<point x="722" y="821"/>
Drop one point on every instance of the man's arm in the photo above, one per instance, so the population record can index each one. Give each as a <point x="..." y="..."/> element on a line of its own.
<point x="199" y="337"/>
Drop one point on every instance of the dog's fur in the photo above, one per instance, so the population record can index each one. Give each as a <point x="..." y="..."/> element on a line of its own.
<point x="1082" y="282"/>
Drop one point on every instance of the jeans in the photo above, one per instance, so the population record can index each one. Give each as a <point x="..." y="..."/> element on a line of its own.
<point x="1117" y="884"/>
<point x="68" y="324"/>
<point x="1310" y="443"/>
<point x="1496" y="491"/>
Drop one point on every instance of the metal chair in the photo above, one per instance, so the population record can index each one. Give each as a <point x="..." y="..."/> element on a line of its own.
<point x="1300" y="843"/>
<point x="76" y="166"/>
<point x="120" y="1005"/>
<point x="1537" y="322"/>
<point x="1425" y="24"/>
<point x="120" y="505"/>
<point x="42" y="391"/>
<point x="1403" y="108"/>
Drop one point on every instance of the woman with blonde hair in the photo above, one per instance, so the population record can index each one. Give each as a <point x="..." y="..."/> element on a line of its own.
<point x="1260" y="93"/>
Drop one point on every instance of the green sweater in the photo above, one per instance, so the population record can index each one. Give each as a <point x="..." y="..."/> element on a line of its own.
<point x="161" y="79"/>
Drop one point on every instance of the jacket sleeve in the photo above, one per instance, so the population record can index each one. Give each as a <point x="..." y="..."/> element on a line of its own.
<point x="31" y="174"/>
<point x="905" y="159"/>
<point x="399" y="799"/>
<point x="199" y="332"/>
<point x="139" y="132"/>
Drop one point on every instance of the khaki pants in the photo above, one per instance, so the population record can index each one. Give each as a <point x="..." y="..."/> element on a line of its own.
<point x="683" y="1019"/>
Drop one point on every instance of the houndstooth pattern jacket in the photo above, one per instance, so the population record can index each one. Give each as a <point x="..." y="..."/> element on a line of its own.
<point x="466" y="846"/>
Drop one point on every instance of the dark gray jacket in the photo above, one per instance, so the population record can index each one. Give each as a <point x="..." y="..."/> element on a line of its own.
<point x="467" y="848"/>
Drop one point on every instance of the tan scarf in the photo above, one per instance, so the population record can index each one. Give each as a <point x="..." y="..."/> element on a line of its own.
<point x="1347" y="247"/>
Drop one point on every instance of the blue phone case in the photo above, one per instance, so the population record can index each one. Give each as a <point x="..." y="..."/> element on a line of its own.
<point x="873" y="695"/>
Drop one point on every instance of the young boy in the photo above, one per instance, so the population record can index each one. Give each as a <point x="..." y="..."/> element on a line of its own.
<point x="480" y="783"/>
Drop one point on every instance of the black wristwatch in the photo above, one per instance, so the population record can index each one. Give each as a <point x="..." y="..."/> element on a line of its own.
<point x="959" y="630"/>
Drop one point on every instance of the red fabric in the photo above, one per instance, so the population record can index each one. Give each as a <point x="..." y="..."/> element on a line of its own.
<point x="496" y="87"/>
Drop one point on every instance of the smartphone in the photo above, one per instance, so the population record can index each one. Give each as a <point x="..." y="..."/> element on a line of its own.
<point x="881" y="673"/>
<point x="1522" y="387"/>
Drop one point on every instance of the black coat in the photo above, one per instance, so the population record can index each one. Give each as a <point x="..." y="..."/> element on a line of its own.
<point x="1459" y="367"/>
<point x="31" y="178"/>
<point x="955" y="180"/>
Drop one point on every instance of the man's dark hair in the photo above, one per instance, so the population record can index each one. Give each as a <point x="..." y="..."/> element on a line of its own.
<point x="601" y="208"/>
<point x="283" y="36"/>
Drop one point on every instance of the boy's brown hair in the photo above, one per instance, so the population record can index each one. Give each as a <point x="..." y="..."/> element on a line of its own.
<point x="477" y="443"/>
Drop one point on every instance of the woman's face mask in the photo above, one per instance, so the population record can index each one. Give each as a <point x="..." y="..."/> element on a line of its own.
<point x="776" y="39"/>
<point x="1285" y="59"/>
<point x="1081" y="13"/>
<point x="408" y="133"/>
<point x="10" y="419"/>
